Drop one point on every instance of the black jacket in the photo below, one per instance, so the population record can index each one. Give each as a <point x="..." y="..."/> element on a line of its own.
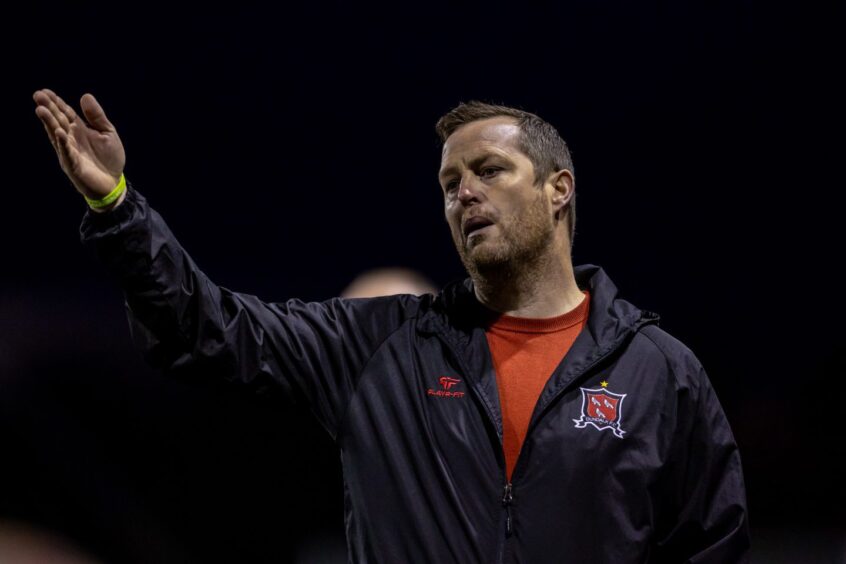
<point x="406" y="388"/>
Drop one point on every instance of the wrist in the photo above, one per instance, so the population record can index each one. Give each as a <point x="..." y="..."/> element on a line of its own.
<point x="111" y="206"/>
<point x="112" y="200"/>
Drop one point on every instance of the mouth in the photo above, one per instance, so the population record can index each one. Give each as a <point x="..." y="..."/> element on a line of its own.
<point x="475" y="224"/>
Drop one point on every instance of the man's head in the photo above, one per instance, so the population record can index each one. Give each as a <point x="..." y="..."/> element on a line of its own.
<point x="508" y="186"/>
<point x="388" y="282"/>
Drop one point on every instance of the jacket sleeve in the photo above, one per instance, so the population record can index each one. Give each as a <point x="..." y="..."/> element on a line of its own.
<point x="185" y="324"/>
<point x="704" y="517"/>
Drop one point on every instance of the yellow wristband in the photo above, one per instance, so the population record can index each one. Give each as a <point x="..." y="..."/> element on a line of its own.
<point x="111" y="197"/>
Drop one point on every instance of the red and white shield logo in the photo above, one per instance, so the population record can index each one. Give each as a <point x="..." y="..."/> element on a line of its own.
<point x="602" y="405"/>
<point x="602" y="409"/>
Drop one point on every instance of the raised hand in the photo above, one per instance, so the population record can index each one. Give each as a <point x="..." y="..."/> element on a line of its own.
<point x="91" y="154"/>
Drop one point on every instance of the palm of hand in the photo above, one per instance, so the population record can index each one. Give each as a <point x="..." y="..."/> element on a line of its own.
<point x="91" y="154"/>
<point x="100" y="159"/>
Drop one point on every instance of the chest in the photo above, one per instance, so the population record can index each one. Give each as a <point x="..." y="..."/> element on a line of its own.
<point x="424" y="392"/>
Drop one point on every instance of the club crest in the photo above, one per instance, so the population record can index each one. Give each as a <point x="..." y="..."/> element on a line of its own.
<point x="602" y="409"/>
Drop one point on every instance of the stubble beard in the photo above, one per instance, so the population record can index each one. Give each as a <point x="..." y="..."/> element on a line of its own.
<point x="523" y="244"/>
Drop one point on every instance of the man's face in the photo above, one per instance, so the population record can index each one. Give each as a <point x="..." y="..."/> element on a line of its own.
<point x="498" y="216"/>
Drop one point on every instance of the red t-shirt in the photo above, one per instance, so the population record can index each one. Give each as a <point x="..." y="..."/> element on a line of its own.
<point x="525" y="353"/>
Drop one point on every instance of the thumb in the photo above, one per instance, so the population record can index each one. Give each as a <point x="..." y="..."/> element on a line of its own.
<point x="94" y="113"/>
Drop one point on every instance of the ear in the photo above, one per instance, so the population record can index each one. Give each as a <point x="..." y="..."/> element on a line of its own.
<point x="563" y="186"/>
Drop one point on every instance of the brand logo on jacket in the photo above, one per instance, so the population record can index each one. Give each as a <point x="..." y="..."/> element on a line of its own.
<point x="446" y="383"/>
<point x="602" y="409"/>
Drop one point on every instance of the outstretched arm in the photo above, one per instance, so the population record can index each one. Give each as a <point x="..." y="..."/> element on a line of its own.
<point x="187" y="325"/>
<point x="182" y="321"/>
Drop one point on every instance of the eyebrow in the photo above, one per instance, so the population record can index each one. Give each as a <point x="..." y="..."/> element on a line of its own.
<point x="474" y="162"/>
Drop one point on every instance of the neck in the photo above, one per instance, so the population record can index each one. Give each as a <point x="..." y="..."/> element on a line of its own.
<point x="546" y="288"/>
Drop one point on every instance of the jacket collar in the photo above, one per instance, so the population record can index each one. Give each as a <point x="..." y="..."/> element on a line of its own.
<point x="457" y="312"/>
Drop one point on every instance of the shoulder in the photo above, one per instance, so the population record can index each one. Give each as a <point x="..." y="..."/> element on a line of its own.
<point x="677" y="380"/>
<point x="683" y="366"/>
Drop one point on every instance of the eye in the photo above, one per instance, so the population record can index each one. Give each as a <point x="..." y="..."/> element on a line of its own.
<point x="489" y="171"/>
<point x="451" y="185"/>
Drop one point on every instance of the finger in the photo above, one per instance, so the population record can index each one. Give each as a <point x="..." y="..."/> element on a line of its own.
<point x="51" y="136"/>
<point x="49" y="122"/>
<point x="67" y="150"/>
<point x="63" y="107"/>
<point x="58" y="116"/>
<point x="94" y="113"/>
<point x="47" y="98"/>
<point x="40" y="97"/>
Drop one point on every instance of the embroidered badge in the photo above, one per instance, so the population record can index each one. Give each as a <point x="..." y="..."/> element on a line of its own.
<point x="446" y="383"/>
<point x="602" y="409"/>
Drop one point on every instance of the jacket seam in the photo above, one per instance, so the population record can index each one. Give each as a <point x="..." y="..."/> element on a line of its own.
<point x="672" y="370"/>
<point x="341" y="431"/>
<point x="187" y="344"/>
<point x="696" y="401"/>
<point x="695" y="383"/>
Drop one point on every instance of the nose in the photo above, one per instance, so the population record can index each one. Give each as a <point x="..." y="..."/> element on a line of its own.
<point x="470" y="189"/>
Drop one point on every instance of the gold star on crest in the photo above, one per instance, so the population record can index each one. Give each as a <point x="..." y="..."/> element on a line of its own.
<point x="604" y="384"/>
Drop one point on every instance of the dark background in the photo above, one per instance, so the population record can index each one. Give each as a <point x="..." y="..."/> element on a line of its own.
<point x="291" y="148"/>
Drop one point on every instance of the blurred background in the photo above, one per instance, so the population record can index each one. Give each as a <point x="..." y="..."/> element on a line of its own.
<point x="292" y="148"/>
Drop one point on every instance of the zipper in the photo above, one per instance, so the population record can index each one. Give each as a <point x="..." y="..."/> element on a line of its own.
<point x="507" y="498"/>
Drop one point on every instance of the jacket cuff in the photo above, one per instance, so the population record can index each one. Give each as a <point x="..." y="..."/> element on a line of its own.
<point x="112" y="220"/>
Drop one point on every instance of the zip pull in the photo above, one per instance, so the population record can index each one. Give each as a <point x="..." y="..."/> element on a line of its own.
<point x="506" y="503"/>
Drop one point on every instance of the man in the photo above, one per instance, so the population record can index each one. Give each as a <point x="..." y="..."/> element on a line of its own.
<point x="526" y="414"/>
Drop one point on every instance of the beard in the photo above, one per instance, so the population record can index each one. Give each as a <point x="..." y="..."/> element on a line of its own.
<point x="521" y="244"/>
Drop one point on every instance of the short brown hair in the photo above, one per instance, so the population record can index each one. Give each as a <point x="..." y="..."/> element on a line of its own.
<point x="539" y="140"/>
